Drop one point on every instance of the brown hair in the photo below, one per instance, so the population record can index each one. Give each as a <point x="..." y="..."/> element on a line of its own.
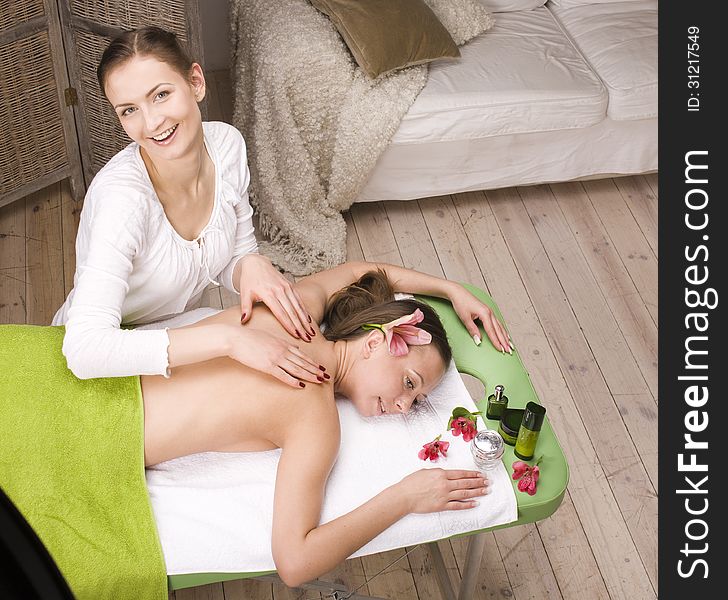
<point x="145" y="41"/>
<point x="371" y="300"/>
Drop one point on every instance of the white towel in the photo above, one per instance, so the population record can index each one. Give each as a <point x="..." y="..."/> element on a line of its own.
<point x="214" y="511"/>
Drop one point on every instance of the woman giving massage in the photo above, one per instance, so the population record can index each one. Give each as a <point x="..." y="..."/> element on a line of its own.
<point x="378" y="364"/>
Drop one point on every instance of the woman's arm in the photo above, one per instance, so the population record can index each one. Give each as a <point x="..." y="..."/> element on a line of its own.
<point x="303" y="549"/>
<point x="318" y="288"/>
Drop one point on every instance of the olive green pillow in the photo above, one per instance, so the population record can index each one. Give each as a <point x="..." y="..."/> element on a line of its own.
<point x="384" y="35"/>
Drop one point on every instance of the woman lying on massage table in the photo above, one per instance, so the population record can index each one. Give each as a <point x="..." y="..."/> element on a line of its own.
<point x="199" y="407"/>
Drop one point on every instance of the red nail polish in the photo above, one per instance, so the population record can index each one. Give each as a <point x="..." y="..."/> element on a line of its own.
<point x="297" y="334"/>
<point x="301" y="384"/>
<point x="309" y="319"/>
<point x="321" y="379"/>
<point x="308" y="337"/>
<point x="242" y="318"/>
<point x="327" y="376"/>
<point x="322" y="367"/>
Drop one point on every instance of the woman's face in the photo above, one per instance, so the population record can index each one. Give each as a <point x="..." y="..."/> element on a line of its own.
<point x="380" y="383"/>
<point x="157" y="106"/>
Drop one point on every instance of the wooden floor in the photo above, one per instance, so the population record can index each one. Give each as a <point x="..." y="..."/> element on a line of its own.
<point x="573" y="268"/>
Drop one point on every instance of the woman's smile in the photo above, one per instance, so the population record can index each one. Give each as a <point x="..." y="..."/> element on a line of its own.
<point x="165" y="138"/>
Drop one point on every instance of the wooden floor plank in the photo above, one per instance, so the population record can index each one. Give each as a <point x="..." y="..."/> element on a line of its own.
<point x="652" y="180"/>
<point x="617" y="454"/>
<point x="569" y="552"/>
<point x="211" y="591"/>
<point x="70" y="219"/>
<point x="627" y="238"/>
<point x="247" y="589"/>
<point x="523" y="553"/>
<point x="602" y="336"/>
<point x="493" y="582"/>
<point x="388" y="580"/>
<point x="621" y="296"/>
<point x="642" y="202"/>
<point x="12" y="263"/>
<point x="44" y="254"/>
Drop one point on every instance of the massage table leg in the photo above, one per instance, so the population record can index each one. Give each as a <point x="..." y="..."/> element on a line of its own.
<point x="330" y="589"/>
<point x="476" y="546"/>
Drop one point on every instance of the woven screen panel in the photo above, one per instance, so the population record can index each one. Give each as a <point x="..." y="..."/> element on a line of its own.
<point x="130" y="14"/>
<point x="106" y="136"/>
<point x="30" y="115"/>
<point x="15" y="12"/>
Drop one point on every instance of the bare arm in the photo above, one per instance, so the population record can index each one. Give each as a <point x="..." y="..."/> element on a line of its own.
<point x="304" y="550"/>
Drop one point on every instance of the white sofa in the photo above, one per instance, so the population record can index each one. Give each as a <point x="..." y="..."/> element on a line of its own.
<point x="553" y="92"/>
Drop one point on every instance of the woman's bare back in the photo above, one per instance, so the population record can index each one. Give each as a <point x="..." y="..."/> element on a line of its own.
<point x="223" y="406"/>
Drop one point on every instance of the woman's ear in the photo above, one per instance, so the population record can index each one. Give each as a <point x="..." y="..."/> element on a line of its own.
<point x="197" y="81"/>
<point x="372" y="342"/>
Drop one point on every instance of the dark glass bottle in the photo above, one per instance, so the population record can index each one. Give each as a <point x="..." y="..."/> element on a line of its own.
<point x="497" y="403"/>
<point x="528" y="432"/>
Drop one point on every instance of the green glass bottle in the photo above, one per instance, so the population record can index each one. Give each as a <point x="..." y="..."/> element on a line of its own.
<point x="528" y="432"/>
<point x="497" y="403"/>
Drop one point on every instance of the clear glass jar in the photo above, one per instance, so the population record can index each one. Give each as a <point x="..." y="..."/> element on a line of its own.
<point x="487" y="448"/>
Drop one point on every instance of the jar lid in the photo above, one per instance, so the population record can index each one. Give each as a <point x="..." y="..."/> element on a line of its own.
<point x="489" y="444"/>
<point x="511" y="420"/>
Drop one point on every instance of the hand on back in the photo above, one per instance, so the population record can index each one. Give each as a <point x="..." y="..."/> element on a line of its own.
<point x="260" y="281"/>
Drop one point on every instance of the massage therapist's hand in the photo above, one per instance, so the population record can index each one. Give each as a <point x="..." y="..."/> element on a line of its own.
<point x="469" y="308"/>
<point x="433" y="490"/>
<point x="260" y="281"/>
<point x="270" y="354"/>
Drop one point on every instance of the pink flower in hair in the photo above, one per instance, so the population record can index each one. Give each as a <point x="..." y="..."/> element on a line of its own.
<point x="402" y="333"/>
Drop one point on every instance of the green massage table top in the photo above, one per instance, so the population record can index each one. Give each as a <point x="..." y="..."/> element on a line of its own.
<point x="491" y="367"/>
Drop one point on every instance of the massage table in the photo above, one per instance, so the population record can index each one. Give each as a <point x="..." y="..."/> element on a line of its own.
<point x="491" y="367"/>
<point x="72" y="461"/>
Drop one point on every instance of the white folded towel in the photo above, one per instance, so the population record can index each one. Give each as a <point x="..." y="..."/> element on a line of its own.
<point x="214" y="510"/>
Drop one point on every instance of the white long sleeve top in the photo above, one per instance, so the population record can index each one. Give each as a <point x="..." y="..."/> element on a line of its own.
<point x="132" y="267"/>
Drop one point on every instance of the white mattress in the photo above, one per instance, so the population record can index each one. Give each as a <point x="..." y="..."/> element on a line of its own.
<point x="214" y="510"/>
<point x="490" y="120"/>
<point x="614" y="34"/>
<point x="522" y="76"/>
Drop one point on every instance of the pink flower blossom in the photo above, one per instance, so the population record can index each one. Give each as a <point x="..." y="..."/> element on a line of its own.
<point x="526" y="475"/>
<point x="433" y="449"/>
<point x="464" y="425"/>
<point x="402" y="333"/>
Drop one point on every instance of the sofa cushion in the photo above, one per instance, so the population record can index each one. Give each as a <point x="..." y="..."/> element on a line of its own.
<point x="570" y="3"/>
<point x="619" y="40"/>
<point x="384" y="35"/>
<point x="511" y="5"/>
<point x="524" y="75"/>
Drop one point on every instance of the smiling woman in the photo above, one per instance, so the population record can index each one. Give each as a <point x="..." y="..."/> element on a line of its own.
<point x="167" y="216"/>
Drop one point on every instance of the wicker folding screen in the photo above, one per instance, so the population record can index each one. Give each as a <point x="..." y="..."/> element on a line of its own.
<point x="39" y="145"/>
<point x="88" y="26"/>
<point x="55" y="121"/>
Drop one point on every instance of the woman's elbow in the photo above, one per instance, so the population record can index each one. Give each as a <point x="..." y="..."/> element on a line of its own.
<point x="292" y="573"/>
<point x="76" y="362"/>
<point x="291" y="565"/>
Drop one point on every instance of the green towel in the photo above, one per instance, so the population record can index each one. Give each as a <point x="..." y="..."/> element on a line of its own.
<point x="72" y="462"/>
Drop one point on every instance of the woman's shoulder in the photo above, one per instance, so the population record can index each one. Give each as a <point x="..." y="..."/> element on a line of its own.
<point x="224" y="136"/>
<point x="121" y="186"/>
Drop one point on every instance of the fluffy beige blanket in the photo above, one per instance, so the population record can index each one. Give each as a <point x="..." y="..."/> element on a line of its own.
<point x="314" y="125"/>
